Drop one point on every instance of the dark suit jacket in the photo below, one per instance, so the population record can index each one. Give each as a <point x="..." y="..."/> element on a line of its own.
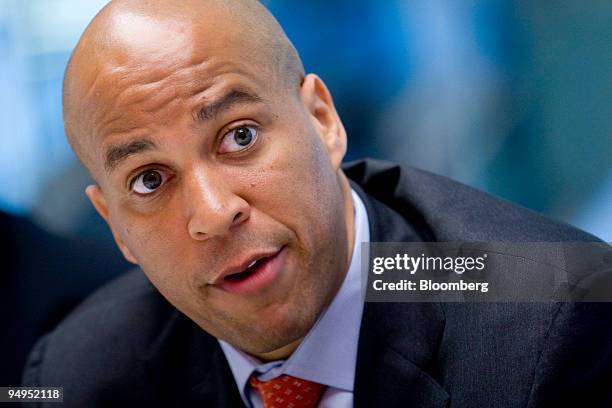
<point x="126" y="344"/>
<point x="33" y="295"/>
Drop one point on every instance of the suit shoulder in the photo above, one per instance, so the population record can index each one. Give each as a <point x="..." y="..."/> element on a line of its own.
<point x="129" y="287"/>
<point x="96" y="346"/>
<point x="453" y="211"/>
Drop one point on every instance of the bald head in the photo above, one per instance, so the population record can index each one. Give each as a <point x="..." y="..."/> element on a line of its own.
<point x="130" y="41"/>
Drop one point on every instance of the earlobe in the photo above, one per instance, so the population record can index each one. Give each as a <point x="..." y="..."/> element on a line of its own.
<point x="320" y="105"/>
<point x="95" y="195"/>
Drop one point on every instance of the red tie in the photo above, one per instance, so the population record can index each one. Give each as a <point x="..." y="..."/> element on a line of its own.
<point x="288" y="392"/>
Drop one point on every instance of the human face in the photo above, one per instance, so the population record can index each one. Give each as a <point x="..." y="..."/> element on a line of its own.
<point x="205" y="164"/>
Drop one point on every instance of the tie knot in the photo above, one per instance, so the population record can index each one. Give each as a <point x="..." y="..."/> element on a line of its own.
<point x="286" y="391"/>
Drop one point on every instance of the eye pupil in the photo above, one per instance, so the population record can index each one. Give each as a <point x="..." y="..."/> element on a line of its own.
<point x="151" y="180"/>
<point x="243" y="136"/>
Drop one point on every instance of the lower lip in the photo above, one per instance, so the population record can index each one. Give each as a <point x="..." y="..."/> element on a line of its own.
<point x="260" y="278"/>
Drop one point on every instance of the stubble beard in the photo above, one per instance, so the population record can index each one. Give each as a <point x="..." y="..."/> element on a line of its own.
<point x="286" y="322"/>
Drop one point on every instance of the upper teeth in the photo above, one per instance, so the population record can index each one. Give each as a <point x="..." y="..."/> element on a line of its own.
<point x="252" y="263"/>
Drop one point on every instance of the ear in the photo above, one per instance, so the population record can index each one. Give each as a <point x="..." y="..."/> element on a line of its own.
<point x="319" y="104"/>
<point x="96" y="197"/>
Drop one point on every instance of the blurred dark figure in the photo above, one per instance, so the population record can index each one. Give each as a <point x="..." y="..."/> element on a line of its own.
<point x="42" y="278"/>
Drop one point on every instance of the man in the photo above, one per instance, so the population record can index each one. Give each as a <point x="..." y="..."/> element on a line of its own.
<point x="217" y="164"/>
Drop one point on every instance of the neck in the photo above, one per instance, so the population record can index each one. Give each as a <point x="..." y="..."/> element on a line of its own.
<point x="349" y="216"/>
<point x="280" y="353"/>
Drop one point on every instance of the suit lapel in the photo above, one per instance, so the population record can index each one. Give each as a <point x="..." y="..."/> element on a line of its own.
<point x="189" y="366"/>
<point x="396" y="356"/>
<point x="398" y="342"/>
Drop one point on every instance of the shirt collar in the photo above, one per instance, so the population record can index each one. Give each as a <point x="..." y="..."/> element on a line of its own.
<point x="328" y="353"/>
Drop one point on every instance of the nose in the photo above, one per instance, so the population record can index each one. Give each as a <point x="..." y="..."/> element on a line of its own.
<point x="213" y="208"/>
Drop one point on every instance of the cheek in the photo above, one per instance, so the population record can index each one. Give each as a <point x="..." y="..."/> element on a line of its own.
<point x="285" y="184"/>
<point x="154" y="239"/>
<point x="297" y="186"/>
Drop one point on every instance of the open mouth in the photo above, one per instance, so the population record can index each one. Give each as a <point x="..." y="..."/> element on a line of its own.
<point x="252" y="268"/>
<point x="259" y="274"/>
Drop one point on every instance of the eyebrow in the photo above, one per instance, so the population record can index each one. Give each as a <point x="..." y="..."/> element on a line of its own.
<point x="117" y="153"/>
<point x="233" y="97"/>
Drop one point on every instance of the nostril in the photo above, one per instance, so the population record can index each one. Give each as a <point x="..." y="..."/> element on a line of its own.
<point x="240" y="217"/>
<point x="198" y="235"/>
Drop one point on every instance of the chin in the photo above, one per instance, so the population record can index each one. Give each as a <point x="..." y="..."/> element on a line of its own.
<point x="267" y="335"/>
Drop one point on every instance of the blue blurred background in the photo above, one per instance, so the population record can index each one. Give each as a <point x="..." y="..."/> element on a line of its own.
<point x="510" y="96"/>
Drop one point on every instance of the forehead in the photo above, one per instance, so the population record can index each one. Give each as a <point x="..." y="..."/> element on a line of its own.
<point x="175" y="65"/>
<point x="141" y="53"/>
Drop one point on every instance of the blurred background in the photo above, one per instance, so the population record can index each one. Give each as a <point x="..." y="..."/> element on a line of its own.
<point x="511" y="96"/>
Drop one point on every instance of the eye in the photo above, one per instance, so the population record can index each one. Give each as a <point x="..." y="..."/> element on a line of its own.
<point x="148" y="181"/>
<point x="238" y="139"/>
